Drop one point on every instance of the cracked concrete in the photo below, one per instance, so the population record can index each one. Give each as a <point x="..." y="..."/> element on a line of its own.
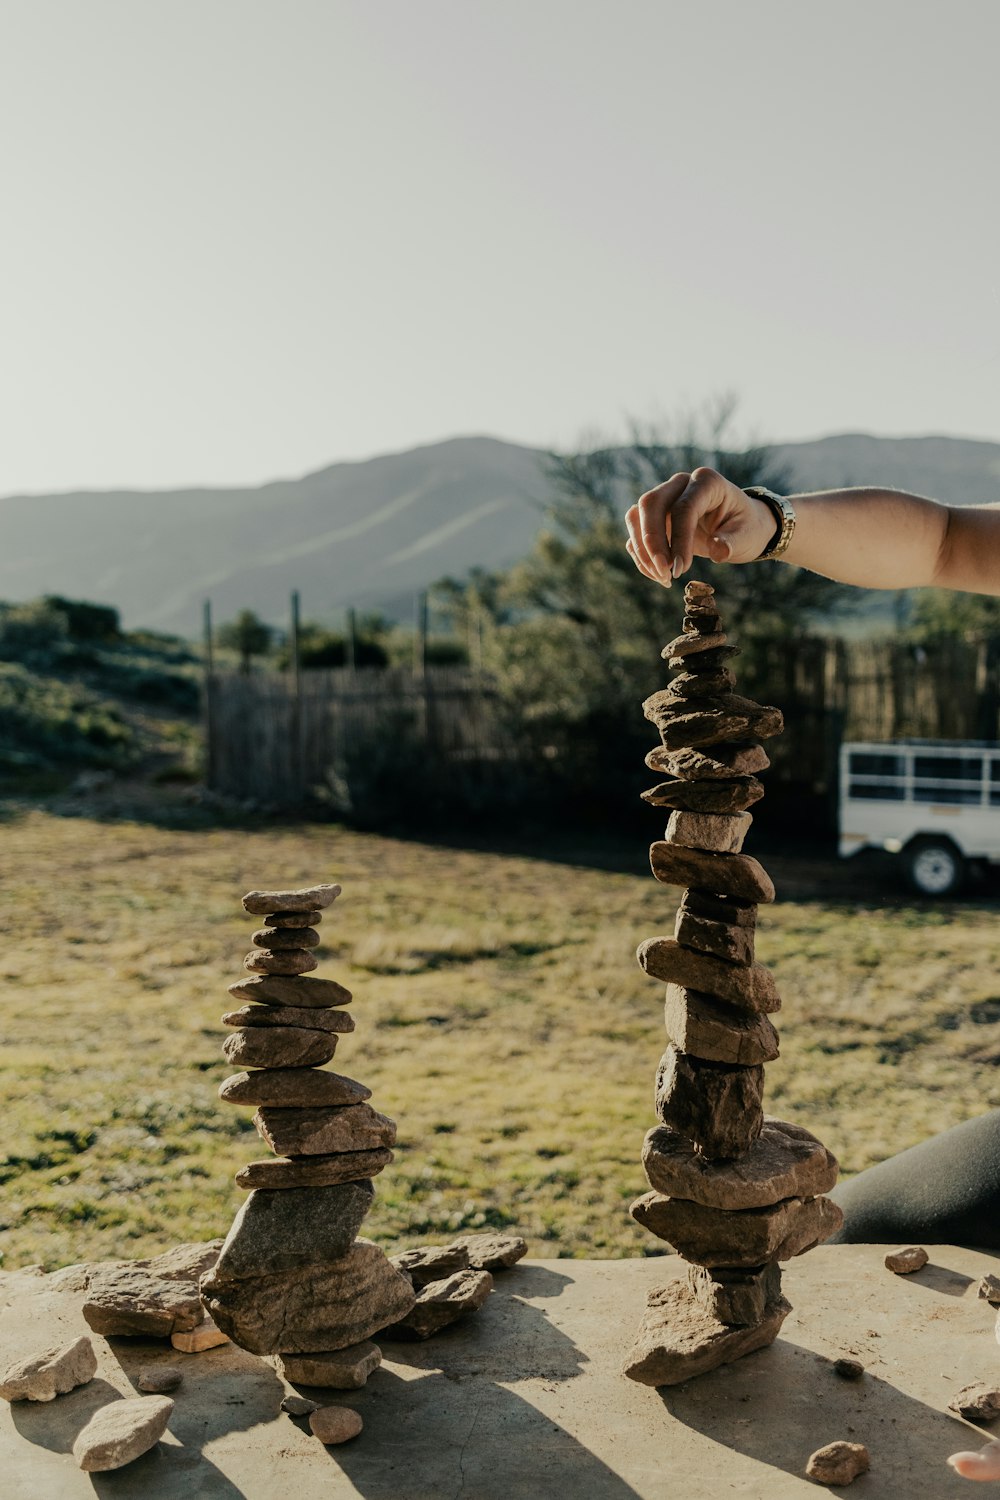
<point x="524" y="1401"/>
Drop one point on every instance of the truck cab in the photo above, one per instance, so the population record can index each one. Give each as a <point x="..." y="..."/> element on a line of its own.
<point x="933" y="803"/>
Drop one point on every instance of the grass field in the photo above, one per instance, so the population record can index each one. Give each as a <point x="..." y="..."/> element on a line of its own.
<point x="502" y="1022"/>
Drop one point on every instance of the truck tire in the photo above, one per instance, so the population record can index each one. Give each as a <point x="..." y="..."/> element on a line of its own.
<point x="933" y="867"/>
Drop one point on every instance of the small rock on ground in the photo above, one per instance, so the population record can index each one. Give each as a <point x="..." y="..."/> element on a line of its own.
<point x="431" y="1262"/>
<point x="989" y="1290"/>
<point x="299" y="1406"/>
<point x="848" y="1369"/>
<point x="205" y="1336"/>
<point x="335" y="1424"/>
<point x="838" y="1463"/>
<point x="443" y="1302"/>
<point x="121" y="1432"/>
<point x="157" y="1380"/>
<point x="42" y="1377"/>
<point x="979" y="1402"/>
<point x="903" y="1262"/>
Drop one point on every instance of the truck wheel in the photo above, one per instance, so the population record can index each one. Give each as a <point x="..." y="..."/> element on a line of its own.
<point x="933" y="867"/>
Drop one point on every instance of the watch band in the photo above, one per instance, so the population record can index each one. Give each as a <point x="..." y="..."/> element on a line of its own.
<point x="784" y="517"/>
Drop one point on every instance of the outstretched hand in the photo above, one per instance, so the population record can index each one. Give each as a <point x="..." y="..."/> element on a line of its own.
<point x="695" y="515"/>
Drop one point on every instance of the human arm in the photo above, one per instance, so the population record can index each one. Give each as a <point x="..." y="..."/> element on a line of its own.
<point x="875" y="538"/>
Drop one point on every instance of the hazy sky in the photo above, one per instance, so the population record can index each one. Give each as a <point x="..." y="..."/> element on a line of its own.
<point x="246" y="238"/>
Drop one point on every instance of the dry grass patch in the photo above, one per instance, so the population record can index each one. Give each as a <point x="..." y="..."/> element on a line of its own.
<point x="501" y="1020"/>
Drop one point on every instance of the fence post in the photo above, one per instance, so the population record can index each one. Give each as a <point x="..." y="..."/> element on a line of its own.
<point x="352" y="640"/>
<point x="295" y="706"/>
<point x="209" y="680"/>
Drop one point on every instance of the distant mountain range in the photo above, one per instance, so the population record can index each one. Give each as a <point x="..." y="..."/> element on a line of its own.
<point x="369" y="534"/>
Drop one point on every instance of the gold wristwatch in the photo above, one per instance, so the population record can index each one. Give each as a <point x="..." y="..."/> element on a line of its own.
<point x="784" y="517"/>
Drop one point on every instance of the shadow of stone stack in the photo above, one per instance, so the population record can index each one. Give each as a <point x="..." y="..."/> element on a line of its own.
<point x="734" y="1191"/>
<point x="292" y="1276"/>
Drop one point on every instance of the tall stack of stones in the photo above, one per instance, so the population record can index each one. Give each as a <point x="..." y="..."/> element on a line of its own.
<point x="733" y="1190"/>
<point x="292" y="1276"/>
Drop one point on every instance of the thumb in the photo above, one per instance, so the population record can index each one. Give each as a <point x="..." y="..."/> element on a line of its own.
<point x="720" y="548"/>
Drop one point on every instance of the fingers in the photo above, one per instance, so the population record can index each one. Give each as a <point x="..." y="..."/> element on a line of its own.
<point x="704" y="497"/>
<point x="649" y="529"/>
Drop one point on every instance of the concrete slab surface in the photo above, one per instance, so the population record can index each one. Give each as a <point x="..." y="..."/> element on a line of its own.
<point x="525" y="1402"/>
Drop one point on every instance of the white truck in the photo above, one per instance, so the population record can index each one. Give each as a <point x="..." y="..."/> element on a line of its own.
<point x="934" y="803"/>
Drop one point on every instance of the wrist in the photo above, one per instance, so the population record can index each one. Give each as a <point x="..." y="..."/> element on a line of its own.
<point x="778" y="527"/>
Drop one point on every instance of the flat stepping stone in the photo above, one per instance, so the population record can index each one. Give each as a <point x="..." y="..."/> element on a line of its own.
<point x="338" y="1369"/>
<point x="266" y="1016"/>
<point x="321" y="1132"/>
<point x="279" y="961"/>
<point x="299" y="1088"/>
<point x="53" y="1372"/>
<point x="784" y="1161"/>
<point x="278" y="989"/>
<point x="721" y="763"/>
<point x="314" y="1171"/>
<point x="282" y="938"/>
<point x="679" y="1337"/>
<point x="314" y="1309"/>
<point x="719" y="1237"/>
<point x="738" y="875"/>
<point x="750" y="986"/>
<point x="707" y="1028"/>
<point x="279" y="1047"/>
<point x="312" y="897"/>
<point x="731" y="796"/>
<point x="121" y="1432"/>
<point x="717" y="1107"/>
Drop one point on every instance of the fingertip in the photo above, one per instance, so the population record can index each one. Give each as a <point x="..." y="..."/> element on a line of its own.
<point x="678" y="568"/>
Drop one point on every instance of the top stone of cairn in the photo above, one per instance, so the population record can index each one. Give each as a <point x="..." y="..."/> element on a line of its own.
<point x="313" y="898"/>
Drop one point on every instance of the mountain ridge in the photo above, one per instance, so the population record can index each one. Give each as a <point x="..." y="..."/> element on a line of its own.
<point x="369" y="533"/>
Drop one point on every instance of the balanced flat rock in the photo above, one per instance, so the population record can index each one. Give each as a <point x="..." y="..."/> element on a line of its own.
<point x="708" y="1028"/>
<point x="121" y="1432"/>
<point x="313" y="897"/>
<point x="717" y="1107"/>
<point x="732" y="796"/>
<point x="683" y="724"/>
<point x="736" y="1297"/>
<point x="722" y="939"/>
<point x="285" y="937"/>
<point x="493" y="1252"/>
<point x="197" y="1340"/>
<point x="313" y="1309"/>
<point x="703" y="684"/>
<point x="277" y="989"/>
<point x="784" y="1161"/>
<point x="683" y="646"/>
<point x="279" y="1047"/>
<point x="738" y="875"/>
<point x="300" y="1088"/>
<point x="720" y="764"/>
<point x="129" y="1300"/>
<point x="720" y="1237"/>
<point x="709" y="660"/>
<point x="679" y="1338"/>
<point x="441" y="1303"/>
<point x="323" y="1131"/>
<point x="526" y="1399"/>
<point x="42" y="1377"/>
<point x="318" y="1019"/>
<point x="431" y="1262"/>
<point x="722" y="833"/>
<point x="293" y="918"/>
<point x="751" y="986"/>
<point x="314" y="1171"/>
<point x="287" y="1230"/>
<point x="338" y="1369"/>
<point x="289" y="962"/>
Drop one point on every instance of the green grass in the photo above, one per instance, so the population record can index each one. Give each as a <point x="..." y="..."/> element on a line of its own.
<point x="502" y="1021"/>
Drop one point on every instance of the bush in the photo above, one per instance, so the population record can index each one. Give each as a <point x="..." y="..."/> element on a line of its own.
<point x="29" y="628"/>
<point x="85" y="621"/>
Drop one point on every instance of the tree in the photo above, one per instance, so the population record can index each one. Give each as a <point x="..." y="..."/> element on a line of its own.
<point x="247" y="635"/>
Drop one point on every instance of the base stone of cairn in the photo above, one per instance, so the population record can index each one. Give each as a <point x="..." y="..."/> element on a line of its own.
<point x="733" y="1191"/>
<point x="293" y="1278"/>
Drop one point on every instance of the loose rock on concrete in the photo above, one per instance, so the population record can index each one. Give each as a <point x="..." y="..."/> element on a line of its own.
<point x="299" y="1406"/>
<point x="493" y="1252"/>
<point x="335" y="1424"/>
<point x="441" y="1303"/>
<point x="979" y="1402"/>
<point x="838" y="1463"/>
<point x="159" y="1380"/>
<point x="205" y="1336"/>
<point x="122" y="1431"/>
<point x="904" y="1262"/>
<point x="340" y="1369"/>
<point x="42" y="1377"/>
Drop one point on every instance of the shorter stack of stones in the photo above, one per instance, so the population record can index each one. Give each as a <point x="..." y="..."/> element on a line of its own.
<point x="734" y="1191"/>
<point x="292" y="1276"/>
